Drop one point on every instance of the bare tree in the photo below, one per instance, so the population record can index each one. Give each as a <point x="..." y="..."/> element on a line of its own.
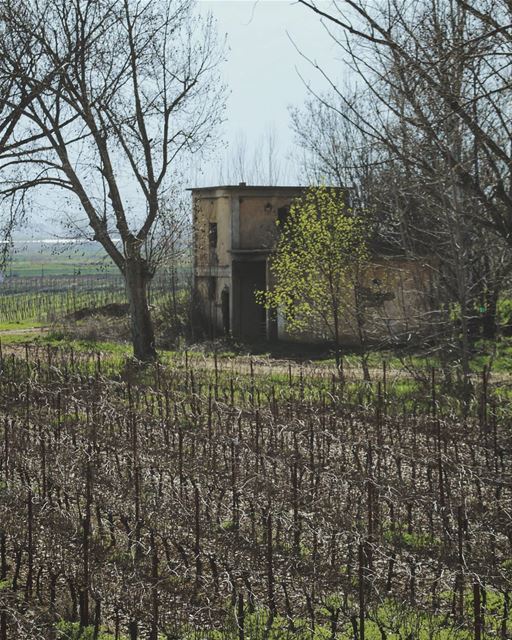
<point x="13" y="102"/>
<point x="137" y="89"/>
<point x="433" y="105"/>
<point x="255" y="164"/>
<point x="479" y="34"/>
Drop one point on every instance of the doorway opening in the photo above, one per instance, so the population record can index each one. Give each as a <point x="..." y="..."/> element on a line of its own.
<point x="249" y="317"/>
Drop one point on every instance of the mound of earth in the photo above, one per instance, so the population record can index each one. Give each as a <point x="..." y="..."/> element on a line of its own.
<point x="112" y="310"/>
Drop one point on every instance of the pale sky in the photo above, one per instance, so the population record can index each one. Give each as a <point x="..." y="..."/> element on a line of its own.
<point x="263" y="70"/>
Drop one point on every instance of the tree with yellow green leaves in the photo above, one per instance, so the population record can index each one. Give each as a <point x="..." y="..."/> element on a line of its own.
<point x="321" y="248"/>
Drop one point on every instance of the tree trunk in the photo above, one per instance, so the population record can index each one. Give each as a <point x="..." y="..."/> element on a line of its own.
<point x="338" y="354"/>
<point x="137" y="279"/>
<point x="489" y="319"/>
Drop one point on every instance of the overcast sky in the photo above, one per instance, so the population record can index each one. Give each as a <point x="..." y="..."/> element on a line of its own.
<point x="263" y="71"/>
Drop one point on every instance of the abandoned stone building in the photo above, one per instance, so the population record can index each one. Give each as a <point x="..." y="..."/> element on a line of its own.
<point x="235" y="234"/>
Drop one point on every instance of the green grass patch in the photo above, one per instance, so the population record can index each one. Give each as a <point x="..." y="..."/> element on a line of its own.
<point x="72" y="631"/>
<point x="20" y="324"/>
<point x="30" y="337"/>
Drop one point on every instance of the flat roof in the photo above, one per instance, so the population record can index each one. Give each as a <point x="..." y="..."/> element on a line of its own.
<point x="251" y="187"/>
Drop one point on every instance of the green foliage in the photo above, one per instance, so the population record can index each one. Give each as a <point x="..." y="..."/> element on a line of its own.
<point x="72" y="631"/>
<point x="321" y="247"/>
<point x="504" y="311"/>
<point x="172" y="318"/>
<point x="5" y="584"/>
<point x="414" y="541"/>
<point x="227" y="525"/>
<point x="507" y="566"/>
<point x="396" y="619"/>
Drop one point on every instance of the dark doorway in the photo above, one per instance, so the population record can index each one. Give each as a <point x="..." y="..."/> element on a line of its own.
<point x="224" y="299"/>
<point x="249" y="317"/>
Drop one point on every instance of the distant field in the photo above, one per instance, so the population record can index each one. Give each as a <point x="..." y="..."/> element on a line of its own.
<point x="43" y="283"/>
<point x="34" y="300"/>
<point x="47" y="259"/>
<point x="33" y="268"/>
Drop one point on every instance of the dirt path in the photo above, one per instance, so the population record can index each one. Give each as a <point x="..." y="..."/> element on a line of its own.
<point x="244" y="365"/>
<point x="18" y="347"/>
<point x="261" y="366"/>
<point x="15" y="332"/>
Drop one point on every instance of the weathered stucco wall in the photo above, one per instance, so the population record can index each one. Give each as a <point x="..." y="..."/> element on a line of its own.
<point x="258" y="215"/>
<point x="211" y="305"/>
<point x="216" y="209"/>
<point x="407" y="313"/>
<point x="212" y="265"/>
<point x="397" y="293"/>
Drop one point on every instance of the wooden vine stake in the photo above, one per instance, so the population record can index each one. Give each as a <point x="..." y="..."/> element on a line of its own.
<point x="361" y="569"/>
<point x="477" y="611"/>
